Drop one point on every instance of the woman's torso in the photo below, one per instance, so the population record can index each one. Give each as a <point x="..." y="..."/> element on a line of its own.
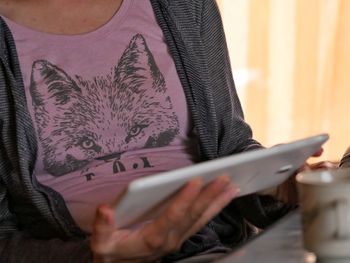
<point x="107" y="106"/>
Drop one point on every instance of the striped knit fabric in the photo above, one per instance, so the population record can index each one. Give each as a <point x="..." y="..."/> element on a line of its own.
<point x="35" y="225"/>
<point x="345" y="160"/>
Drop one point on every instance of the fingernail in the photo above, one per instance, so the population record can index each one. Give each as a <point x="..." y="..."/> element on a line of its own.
<point x="222" y="180"/>
<point x="102" y="215"/>
<point x="197" y="183"/>
<point x="232" y="191"/>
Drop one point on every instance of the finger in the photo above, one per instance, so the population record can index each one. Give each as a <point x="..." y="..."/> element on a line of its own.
<point x="215" y="206"/>
<point x="103" y="229"/>
<point x="206" y="197"/>
<point x="195" y="210"/>
<point x="306" y="167"/>
<point x="182" y="203"/>
<point x="172" y="219"/>
<point x="324" y="165"/>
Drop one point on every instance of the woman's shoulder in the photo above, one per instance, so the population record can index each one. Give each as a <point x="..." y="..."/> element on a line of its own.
<point x="193" y="5"/>
<point x="188" y="9"/>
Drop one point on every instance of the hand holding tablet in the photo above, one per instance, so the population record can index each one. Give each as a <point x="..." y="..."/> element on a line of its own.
<point x="251" y="172"/>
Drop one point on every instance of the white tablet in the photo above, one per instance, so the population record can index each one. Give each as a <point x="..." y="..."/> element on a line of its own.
<point x="251" y="171"/>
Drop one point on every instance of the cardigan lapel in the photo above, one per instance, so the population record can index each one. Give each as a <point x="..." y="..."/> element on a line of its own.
<point x="182" y="30"/>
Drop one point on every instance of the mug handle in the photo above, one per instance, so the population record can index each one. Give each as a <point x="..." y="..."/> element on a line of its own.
<point x="342" y="212"/>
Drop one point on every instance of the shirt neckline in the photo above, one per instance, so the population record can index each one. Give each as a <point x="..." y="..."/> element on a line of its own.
<point x="113" y="22"/>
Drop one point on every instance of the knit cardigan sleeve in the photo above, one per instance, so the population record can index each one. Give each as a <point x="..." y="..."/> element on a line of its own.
<point x="234" y="134"/>
<point x="17" y="195"/>
<point x="17" y="246"/>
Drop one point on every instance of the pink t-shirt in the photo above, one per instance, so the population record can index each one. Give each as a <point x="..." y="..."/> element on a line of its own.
<point x="107" y="107"/>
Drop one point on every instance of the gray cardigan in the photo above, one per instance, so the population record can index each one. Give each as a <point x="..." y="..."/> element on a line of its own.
<point x="35" y="225"/>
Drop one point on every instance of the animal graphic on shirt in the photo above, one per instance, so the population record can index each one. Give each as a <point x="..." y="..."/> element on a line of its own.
<point x="79" y="120"/>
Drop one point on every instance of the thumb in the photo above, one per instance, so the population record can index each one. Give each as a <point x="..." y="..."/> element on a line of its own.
<point x="103" y="229"/>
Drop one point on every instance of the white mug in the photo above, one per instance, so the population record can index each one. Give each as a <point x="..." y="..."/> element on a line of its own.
<point x="325" y="207"/>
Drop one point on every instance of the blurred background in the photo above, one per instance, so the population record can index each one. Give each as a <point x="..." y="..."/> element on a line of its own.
<point x="291" y="65"/>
